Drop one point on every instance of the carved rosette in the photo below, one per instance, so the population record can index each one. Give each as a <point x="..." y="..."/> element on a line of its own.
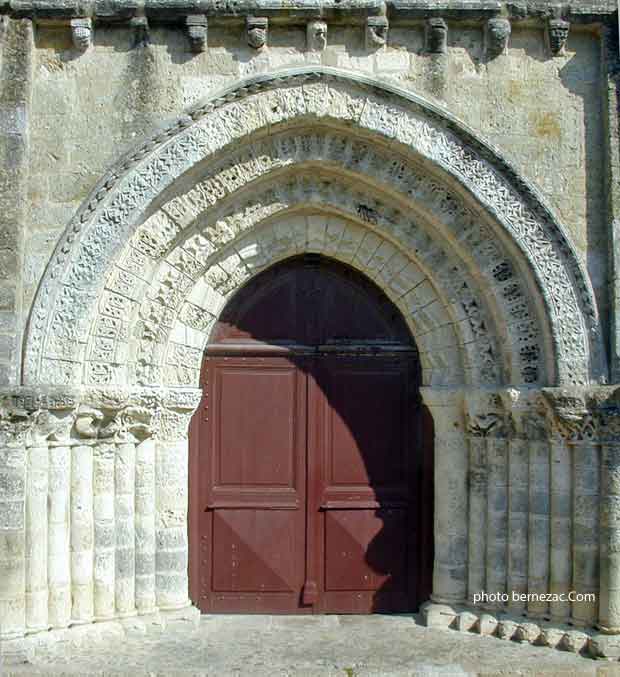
<point x="81" y="33"/>
<point x="557" y="33"/>
<point x="197" y="28"/>
<point x="377" y="28"/>
<point x="257" y="29"/>
<point x="497" y="36"/>
<point x="316" y="35"/>
<point x="436" y="36"/>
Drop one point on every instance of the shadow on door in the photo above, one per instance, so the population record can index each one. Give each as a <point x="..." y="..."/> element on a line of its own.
<point x="311" y="455"/>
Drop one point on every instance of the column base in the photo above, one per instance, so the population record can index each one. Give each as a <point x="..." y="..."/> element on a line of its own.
<point x="587" y="642"/>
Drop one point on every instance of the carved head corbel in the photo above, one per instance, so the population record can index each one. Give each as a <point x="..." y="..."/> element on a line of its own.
<point x="256" y="28"/>
<point x="557" y="31"/>
<point x="197" y="28"/>
<point x="316" y="35"/>
<point x="497" y="36"/>
<point x="436" y="36"/>
<point x="376" y="31"/>
<point x="81" y="33"/>
<point x="140" y="25"/>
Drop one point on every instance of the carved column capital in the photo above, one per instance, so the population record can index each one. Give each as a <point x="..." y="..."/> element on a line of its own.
<point x="569" y="415"/>
<point x="485" y="414"/>
<point x="527" y="414"/>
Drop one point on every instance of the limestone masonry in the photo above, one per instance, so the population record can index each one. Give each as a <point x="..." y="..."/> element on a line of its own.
<point x="157" y="154"/>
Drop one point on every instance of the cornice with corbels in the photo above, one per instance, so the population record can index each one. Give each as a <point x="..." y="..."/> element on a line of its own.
<point x="374" y="17"/>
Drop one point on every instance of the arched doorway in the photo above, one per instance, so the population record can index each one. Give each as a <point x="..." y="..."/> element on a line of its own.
<point x="311" y="473"/>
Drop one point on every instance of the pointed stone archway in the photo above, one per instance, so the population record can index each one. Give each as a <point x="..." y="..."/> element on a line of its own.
<point x="310" y="160"/>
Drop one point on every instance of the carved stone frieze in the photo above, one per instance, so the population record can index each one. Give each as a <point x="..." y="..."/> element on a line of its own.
<point x="256" y="29"/>
<point x="82" y="33"/>
<point x="316" y="35"/>
<point x="377" y="28"/>
<point x="197" y="32"/>
<point x="436" y="36"/>
<point x="497" y="35"/>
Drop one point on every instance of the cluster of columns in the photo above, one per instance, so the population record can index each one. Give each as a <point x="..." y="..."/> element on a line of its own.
<point x="94" y="509"/>
<point x="527" y="487"/>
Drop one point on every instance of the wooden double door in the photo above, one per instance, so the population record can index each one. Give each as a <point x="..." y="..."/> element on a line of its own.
<point x="311" y="467"/>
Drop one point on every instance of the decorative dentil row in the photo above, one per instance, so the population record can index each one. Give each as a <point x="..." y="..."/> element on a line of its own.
<point x="96" y="415"/>
<point x="497" y="33"/>
<point x="572" y="415"/>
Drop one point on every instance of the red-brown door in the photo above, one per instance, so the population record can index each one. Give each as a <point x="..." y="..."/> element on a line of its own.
<point x="362" y="483"/>
<point x="311" y="466"/>
<point x="252" y="485"/>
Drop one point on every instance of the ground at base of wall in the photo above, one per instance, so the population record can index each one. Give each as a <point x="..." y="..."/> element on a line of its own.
<point x="308" y="646"/>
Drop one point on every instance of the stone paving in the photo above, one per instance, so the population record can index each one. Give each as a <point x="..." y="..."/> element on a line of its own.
<point x="279" y="646"/>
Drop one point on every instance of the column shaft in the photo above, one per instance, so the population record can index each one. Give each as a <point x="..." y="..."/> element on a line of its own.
<point x="496" y="555"/>
<point x="104" y="530"/>
<point x="539" y="527"/>
<point x="82" y="533"/>
<point x="561" y="565"/>
<point x="477" y="516"/>
<point x="171" y="525"/>
<point x="125" y="477"/>
<point x="36" y="538"/>
<point x="145" y="526"/>
<point x="518" y="520"/>
<point x="59" y="561"/>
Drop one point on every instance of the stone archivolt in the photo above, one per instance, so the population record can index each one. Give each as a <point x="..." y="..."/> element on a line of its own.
<point x="106" y="223"/>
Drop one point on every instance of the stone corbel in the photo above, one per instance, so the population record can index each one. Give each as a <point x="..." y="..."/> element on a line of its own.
<point x="316" y="36"/>
<point x="257" y="30"/>
<point x="557" y="36"/>
<point x="497" y="35"/>
<point x="436" y="36"/>
<point x="140" y="26"/>
<point x="197" y="31"/>
<point x="82" y="33"/>
<point x="377" y="28"/>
